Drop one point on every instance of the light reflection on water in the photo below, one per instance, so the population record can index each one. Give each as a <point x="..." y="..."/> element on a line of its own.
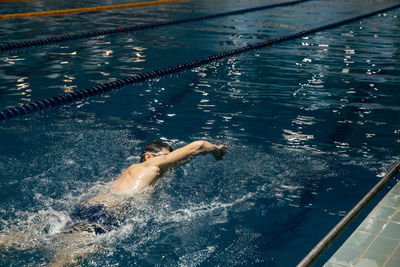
<point x="303" y="120"/>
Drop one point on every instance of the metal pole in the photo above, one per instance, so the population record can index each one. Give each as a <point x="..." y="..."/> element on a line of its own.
<point x="335" y="232"/>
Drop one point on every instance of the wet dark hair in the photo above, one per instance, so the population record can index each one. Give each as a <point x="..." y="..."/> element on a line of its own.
<point x="155" y="147"/>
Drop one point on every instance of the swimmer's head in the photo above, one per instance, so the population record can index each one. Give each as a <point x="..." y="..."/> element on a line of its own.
<point x="155" y="148"/>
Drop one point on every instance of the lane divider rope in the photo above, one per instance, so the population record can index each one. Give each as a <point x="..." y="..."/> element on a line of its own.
<point x="106" y="87"/>
<point x="83" y="9"/>
<point x="75" y="36"/>
<point x="14" y="1"/>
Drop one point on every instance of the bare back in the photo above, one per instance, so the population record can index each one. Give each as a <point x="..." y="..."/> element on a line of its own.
<point x="136" y="177"/>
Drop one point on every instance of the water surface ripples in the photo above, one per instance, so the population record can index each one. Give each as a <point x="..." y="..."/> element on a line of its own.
<point x="311" y="125"/>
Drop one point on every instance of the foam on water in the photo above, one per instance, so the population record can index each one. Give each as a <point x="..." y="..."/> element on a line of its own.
<point x="182" y="207"/>
<point x="311" y="126"/>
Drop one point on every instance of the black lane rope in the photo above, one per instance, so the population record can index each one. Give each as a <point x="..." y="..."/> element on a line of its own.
<point x="75" y="36"/>
<point x="106" y="87"/>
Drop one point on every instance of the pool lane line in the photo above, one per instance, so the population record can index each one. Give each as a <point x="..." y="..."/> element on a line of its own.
<point x="35" y="106"/>
<point x="14" y="1"/>
<point x="75" y="36"/>
<point x="84" y="9"/>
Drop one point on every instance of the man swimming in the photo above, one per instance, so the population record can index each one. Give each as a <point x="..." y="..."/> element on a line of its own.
<point x="77" y="239"/>
<point x="156" y="159"/>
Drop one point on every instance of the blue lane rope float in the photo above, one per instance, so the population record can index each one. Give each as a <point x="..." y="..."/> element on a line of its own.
<point x="76" y="36"/>
<point x="106" y="87"/>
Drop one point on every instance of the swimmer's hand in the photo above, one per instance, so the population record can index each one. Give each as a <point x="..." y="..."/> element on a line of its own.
<point x="219" y="152"/>
<point x="204" y="147"/>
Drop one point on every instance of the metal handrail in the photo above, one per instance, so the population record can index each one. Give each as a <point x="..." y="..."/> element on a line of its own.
<point x="316" y="252"/>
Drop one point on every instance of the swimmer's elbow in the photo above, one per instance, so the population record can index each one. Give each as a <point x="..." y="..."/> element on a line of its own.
<point x="201" y="147"/>
<point x="198" y="145"/>
<point x="194" y="148"/>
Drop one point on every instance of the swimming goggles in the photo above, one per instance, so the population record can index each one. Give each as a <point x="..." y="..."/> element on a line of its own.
<point x="152" y="153"/>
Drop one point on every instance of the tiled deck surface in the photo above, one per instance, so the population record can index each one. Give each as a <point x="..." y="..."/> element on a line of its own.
<point x="376" y="242"/>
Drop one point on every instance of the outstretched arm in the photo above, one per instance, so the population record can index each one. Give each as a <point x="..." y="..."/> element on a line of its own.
<point x="182" y="155"/>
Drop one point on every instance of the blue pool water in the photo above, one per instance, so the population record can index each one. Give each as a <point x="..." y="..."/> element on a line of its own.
<point x="312" y="124"/>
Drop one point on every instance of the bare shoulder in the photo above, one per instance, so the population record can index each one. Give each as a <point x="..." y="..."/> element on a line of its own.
<point x="149" y="165"/>
<point x="136" y="176"/>
<point x="132" y="168"/>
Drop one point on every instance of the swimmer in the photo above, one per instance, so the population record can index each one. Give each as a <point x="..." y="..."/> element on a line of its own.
<point x="95" y="217"/>
<point x="156" y="159"/>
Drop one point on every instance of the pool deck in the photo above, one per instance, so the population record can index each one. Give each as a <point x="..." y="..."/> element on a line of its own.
<point x="376" y="242"/>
